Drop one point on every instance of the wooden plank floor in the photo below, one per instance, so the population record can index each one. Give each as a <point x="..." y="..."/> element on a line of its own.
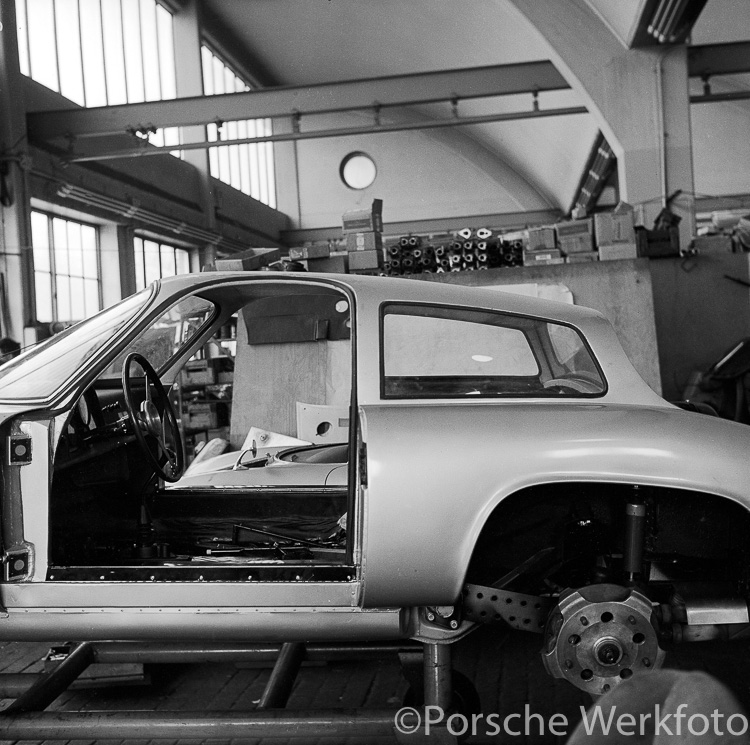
<point x="505" y="668"/>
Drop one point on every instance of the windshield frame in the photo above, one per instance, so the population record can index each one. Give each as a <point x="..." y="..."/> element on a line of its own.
<point x="149" y="294"/>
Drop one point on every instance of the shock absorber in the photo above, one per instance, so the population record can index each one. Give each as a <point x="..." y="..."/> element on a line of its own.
<point x="635" y="535"/>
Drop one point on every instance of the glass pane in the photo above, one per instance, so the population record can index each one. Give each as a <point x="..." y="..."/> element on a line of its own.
<point x="208" y="74"/>
<point x="262" y="167"/>
<point x="254" y="174"/>
<point x="450" y="352"/>
<point x="131" y="26"/>
<point x="152" y="265"/>
<point x="40" y="241"/>
<point x="93" y="53"/>
<point x="182" y="259"/>
<point x="150" y="47"/>
<point x="88" y="244"/>
<point x="140" y="279"/>
<point x="44" y="368"/>
<point x="244" y="163"/>
<point x="74" y="250"/>
<point x="77" y="299"/>
<point x="23" y="41"/>
<point x="92" y="301"/>
<point x="218" y="76"/>
<point x="69" y="50"/>
<point x="42" y="44"/>
<point x="224" y="171"/>
<point x="60" y="245"/>
<point x="43" y="290"/>
<point x="234" y="157"/>
<point x="166" y="52"/>
<point x="167" y="262"/>
<point x="114" y="54"/>
<point x="213" y="161"/>
<point x="62" y="287"/>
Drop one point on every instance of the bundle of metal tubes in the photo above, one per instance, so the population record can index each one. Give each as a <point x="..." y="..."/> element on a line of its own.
<point x="468" y="250"/>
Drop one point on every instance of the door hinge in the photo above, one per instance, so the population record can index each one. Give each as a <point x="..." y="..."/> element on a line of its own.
<point x="18" y="564"/>
<point x="19" y="450"/>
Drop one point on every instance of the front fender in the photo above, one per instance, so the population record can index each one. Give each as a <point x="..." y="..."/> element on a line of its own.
<point x="437" y="471"/>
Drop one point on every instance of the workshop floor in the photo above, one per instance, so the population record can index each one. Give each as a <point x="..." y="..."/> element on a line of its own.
<point x="504" y="667"/>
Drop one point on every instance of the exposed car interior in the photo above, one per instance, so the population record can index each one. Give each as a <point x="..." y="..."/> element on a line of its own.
<point x="118" y="504"/>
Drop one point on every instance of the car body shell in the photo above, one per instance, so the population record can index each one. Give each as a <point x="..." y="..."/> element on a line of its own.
<point x="431" y="472"/>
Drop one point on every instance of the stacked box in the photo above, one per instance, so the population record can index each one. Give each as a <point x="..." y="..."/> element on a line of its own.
<point x="364" y="221"/>
<point x="336" y="263"/>
<point x="542" y="258"/>
<point x="366" y="261"/>
<point x="658" y="243"/>
<point x="712" y="244"/>
<point x="618" y="251"/>
<point x="582" y="258"/>
<point x="254" y="258"/>
<point x="309" y="252"/>
<point x="200" y="416"/>
<point x="576" y="236"/>
<point x="541" y="239"/>
<point x="198" y="373"/>
<point x="367" y="241"/>
<point x="615" y="233"/>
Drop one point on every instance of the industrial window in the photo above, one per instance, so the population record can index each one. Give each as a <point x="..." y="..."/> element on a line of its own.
<point x="66" y="268"/>
<point x="247" y="167"/>
<point x="98" y="52"/>
<point x="155" y="260"/>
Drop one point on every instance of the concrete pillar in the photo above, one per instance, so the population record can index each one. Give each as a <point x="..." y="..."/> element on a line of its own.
<point x="16" y="262"/>
<point x="639" y="97"/>
<point x="189" y="82"/>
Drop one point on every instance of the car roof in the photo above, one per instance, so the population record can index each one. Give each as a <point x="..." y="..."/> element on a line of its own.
<point x="378" y="289"/>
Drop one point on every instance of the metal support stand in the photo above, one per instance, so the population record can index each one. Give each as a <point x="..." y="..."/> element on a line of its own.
<point x="283" y="675"/>
<point x="48" y="686"/>
<point x="438" y="689"/>
<point x="26" y="719"/>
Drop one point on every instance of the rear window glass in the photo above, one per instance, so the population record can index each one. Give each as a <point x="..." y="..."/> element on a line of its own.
<point x="436" y="352"/>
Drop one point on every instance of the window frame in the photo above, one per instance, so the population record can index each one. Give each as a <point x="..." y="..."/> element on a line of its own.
<point x="53" y="258"/>
<point x="463" y="397"/>
<point x="143" y="237"/>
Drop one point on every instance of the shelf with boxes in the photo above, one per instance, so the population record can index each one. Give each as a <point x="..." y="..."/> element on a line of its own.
<point x="205" y="401"/>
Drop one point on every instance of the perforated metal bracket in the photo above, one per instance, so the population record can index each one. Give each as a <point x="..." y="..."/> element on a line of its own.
<point x="519" y="611"/>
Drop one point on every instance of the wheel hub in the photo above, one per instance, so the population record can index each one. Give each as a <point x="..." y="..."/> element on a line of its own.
<point x="599" y="636"/>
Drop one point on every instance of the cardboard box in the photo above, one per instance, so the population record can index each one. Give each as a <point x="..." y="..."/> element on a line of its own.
<point x="333" y="264"/>
<point x="712" y="244"/>
<point x="197" y="373"/>
<point x="309" y="252"/>
<point x="537" y="258"/>
<point x="201" y="416"/>
<point x="360" y="261"/>
<point x="576" y="236"/>
<point x="617" y="226"/>
<point x="368" y="220"/>
<point x="658" y="243"/>
<point x="364" y="241"/>
<point x="540" y="239"/>
<point x="249" y="260"/>
<point x="617" y="251"/>
<point x="582" y="258"/>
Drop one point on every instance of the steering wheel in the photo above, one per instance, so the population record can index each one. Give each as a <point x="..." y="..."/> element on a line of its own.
<point x="153" y="421"/>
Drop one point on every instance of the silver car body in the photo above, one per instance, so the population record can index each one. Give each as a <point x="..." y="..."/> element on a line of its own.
<point x="432" y="472"/>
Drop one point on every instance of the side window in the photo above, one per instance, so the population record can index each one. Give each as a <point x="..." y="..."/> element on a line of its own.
<point x="436" y="352"/>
